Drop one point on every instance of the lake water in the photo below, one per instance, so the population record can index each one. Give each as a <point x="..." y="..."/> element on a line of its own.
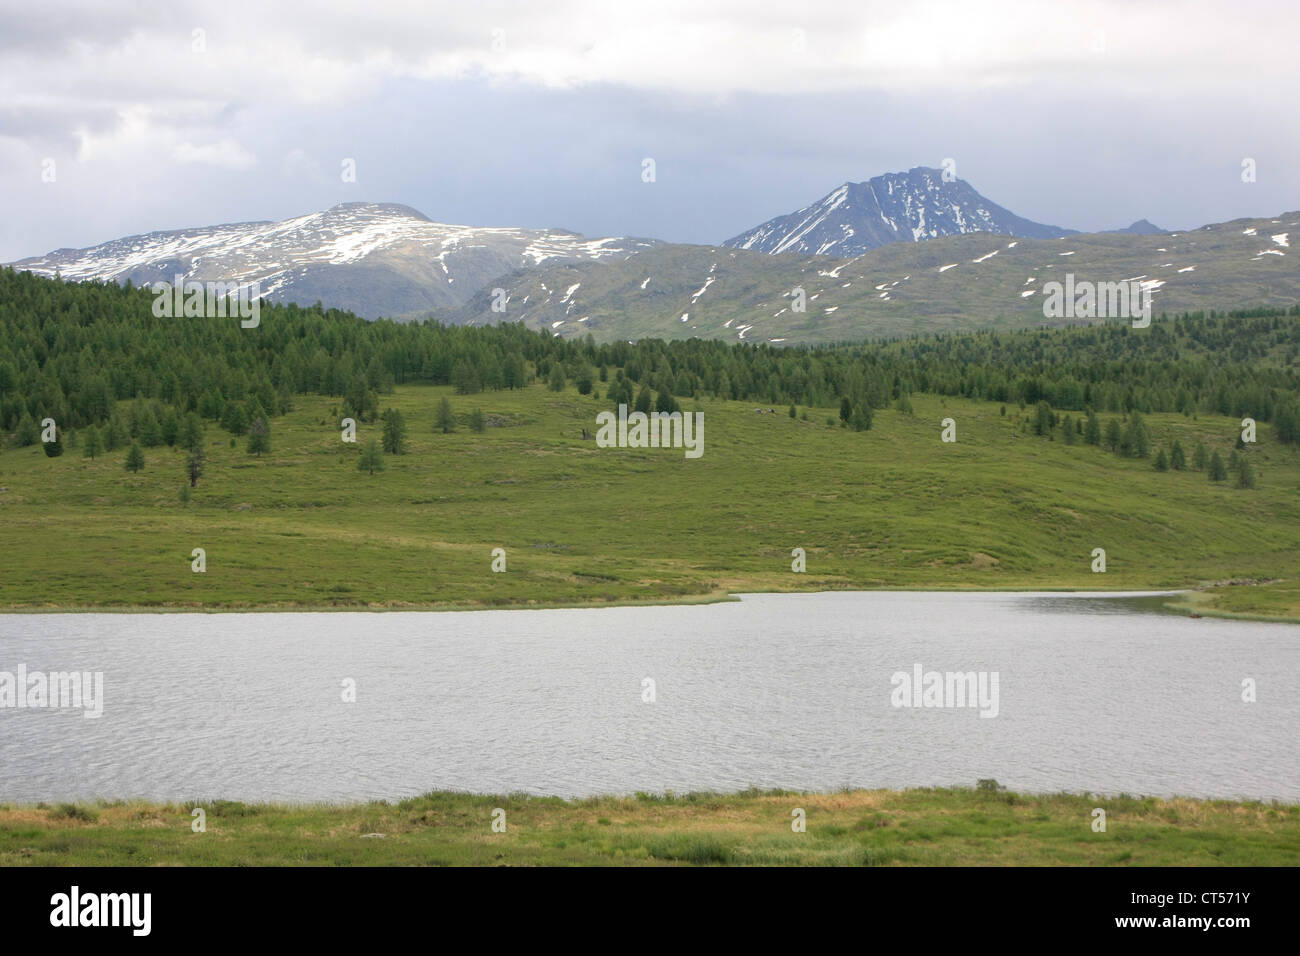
<point x="1095" y="693"/>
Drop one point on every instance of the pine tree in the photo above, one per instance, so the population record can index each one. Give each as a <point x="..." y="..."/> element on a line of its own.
<point x="644" y="399"/>
<point x="394" y="437"/>
<point x="446" y="417"/>
<point x="477" y="421"/>
<point x="1136" y="442"/>
<point x="115" y="434"/>
<point x="134" y="458"/>
<point x="191" y="433"/>
<point x="1177" y="460"/>
<point x="372" y="458"/>
<point x="1043" y="419"/>
<point x="1200" y="457"/>
<point x="259" y="437"/>
<point x="171" y="427"/>
<point x="194" y="465"/>
<point x="666" y="402"/>
<point x="1245" y="474"/>
<point x="1161" y="463"/>
<point x="1286" y="423"/>
<point x="234" y="419"/>
<point x="93" y="444"/>
<point x="28" y="432"/>
<point x="1092" y="431"/>
<point x="150" y="432"/>
<point x="466" y="378"/>
<point x="620" y="392"/>
<point x="1217" y="470"/>
<point x="1114" y="434"/>
<point x="513" y="372"/>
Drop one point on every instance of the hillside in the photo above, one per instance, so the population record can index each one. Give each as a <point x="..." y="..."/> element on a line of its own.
<point x="889" y="507"/>
<point x="1057" y="433"/>
<point x="956" y="283"/>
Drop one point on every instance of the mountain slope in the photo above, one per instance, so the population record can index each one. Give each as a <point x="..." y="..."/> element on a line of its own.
<point x="945" y="284"/>
<point x="369" y="258"/>
<point x="896" y="207"/>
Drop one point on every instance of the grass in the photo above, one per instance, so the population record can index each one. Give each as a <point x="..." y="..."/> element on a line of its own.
<point x="894" y="507"/>
<point x="930" y="827"/>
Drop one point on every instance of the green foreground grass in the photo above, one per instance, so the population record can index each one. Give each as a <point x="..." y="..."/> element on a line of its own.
<point x="892" y="507"/>
<point x="939" y="827"/>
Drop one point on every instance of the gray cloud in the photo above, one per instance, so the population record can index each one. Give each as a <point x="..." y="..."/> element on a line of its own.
<point x="149" y="134"/>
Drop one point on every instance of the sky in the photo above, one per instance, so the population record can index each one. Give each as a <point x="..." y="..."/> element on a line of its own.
<point x="131" y="117"/>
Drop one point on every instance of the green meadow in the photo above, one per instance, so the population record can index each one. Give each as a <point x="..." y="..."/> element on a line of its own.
<point x="985" y="826"/>
<point x="891" y="507"/>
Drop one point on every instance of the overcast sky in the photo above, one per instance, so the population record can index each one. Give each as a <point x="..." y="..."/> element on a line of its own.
<point x="1081" y="114"/>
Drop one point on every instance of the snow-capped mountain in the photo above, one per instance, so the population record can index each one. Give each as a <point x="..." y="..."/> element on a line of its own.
<point x="896" y="207"/>
<point x="371" y="258"/>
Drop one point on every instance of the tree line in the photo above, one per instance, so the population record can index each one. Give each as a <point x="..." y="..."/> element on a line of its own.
<point x="75" y="351"/>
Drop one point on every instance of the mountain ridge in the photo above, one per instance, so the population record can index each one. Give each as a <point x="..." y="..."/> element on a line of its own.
<point x="373" y="259"/>
<point x="954" y="283"/>
<point x="391" y="260"/>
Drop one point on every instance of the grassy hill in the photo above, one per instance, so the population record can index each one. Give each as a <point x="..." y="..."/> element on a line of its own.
<point x="955" y="283"/>
<point x="889" y="507"/>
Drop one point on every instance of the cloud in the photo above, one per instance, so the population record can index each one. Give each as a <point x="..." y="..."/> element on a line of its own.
<point x="226" y="153"/>
<point x="297" y="164"/>
<point x="327" y="51"/>
<point x="1083" y="113"/>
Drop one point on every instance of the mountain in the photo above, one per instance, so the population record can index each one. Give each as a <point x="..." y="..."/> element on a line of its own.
<point x="379" y="259"/>
<point x="945" y="284"/>
<point x="1143" y="227"/>
<point x="896" y="207"/>
<point x="370" y="258"/>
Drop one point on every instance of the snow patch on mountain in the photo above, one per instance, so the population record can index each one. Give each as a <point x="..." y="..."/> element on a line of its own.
<point x="419" y="263"/>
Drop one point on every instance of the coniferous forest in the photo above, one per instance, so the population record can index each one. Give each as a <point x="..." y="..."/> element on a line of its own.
<point x="74" y="351"/>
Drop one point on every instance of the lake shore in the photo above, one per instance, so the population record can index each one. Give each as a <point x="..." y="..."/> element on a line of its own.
<point x="982" y="826"/>
<point x="300" y="528"/>
<point x="1192" y="601"/>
